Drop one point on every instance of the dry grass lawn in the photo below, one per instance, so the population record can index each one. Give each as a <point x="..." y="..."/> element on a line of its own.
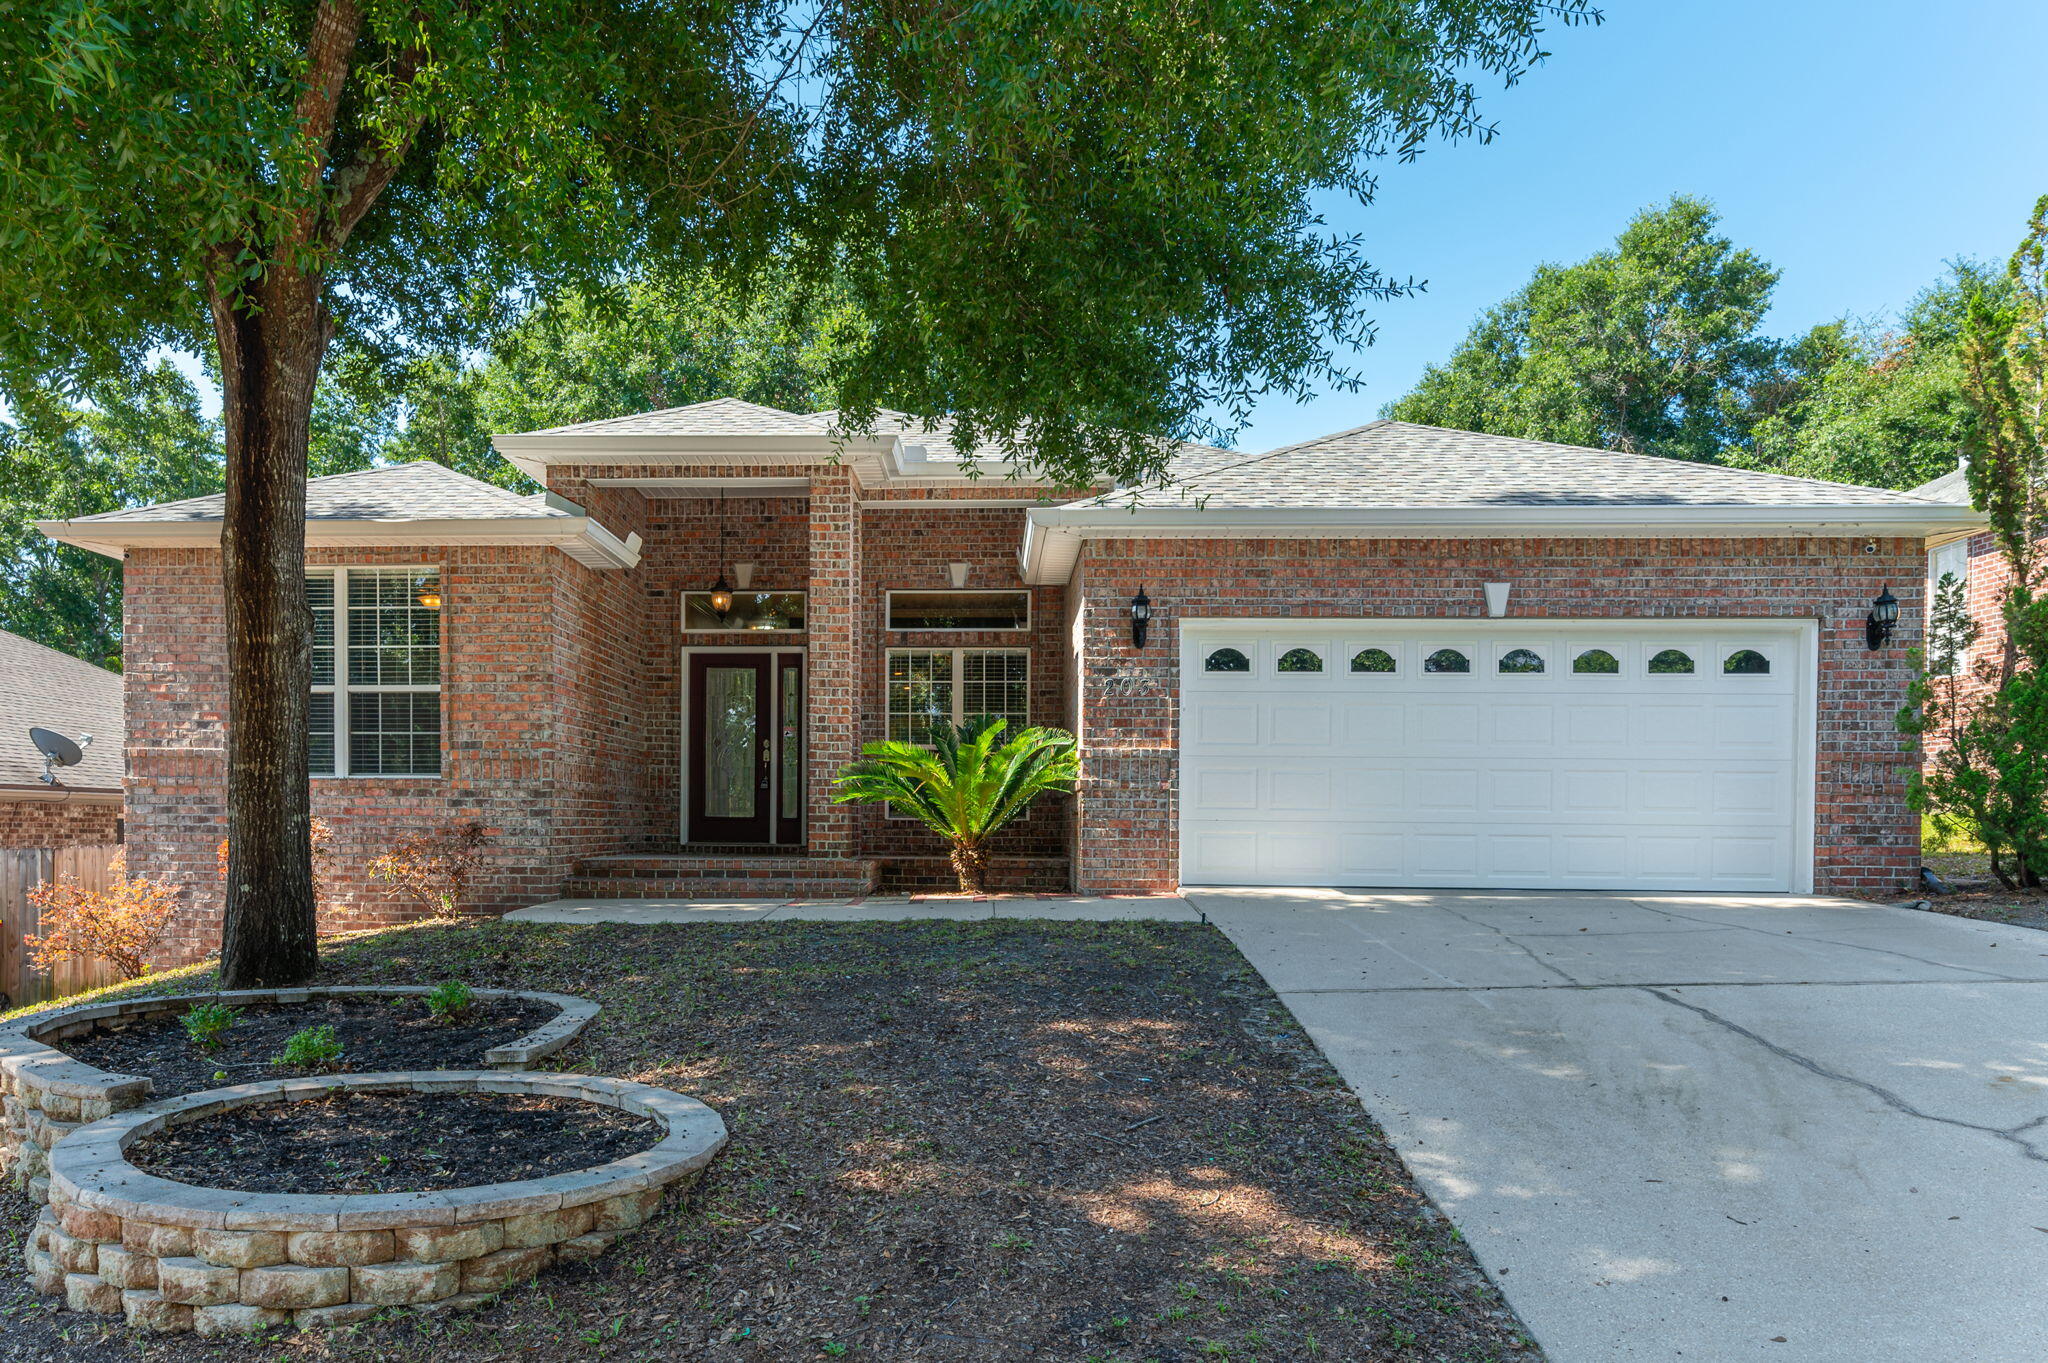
<point x="966" y="1142"/>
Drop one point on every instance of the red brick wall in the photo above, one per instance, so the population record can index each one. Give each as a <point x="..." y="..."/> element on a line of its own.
<point x="908" y="548"/>
<point x="832" y="666"/>
<point x="1866" y="839"/>
<point x="29" y="821"/>
<point x="502" y="724"/>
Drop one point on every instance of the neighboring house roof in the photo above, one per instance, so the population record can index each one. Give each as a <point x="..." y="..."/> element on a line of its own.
<point x="1953" y="486"/>
<point x="42" y="688"/>
<point x="1398" y="479"/>
<point x="417" y="503"/>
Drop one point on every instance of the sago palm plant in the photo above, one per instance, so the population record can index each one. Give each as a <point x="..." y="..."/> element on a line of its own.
<point x="967" y="786"/>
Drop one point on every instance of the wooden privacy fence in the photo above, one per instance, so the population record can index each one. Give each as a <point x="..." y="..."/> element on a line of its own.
<point x="21" y="870"/>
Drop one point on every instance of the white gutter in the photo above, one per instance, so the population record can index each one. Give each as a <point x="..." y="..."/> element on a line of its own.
<point x="1053" y="535"/>
<point x="578" y="536"/>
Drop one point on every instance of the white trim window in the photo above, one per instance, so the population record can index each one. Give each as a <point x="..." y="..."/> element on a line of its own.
<point x="1953" y="557"/>
<point x="375" y="709"/>
<point x="935" y="685"/>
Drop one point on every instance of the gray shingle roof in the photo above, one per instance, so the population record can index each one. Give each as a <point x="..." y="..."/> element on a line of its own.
<point x="1952" y="487"/>
<point x="1397" y="464"/>
<point x="421" y="491"/>
<point x="719" y="416"/>
<point x="42" y="687"/>
<point x="735" y="417"/>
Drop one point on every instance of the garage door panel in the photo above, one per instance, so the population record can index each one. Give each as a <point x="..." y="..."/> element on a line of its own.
<point x="1440" y="726"/>
<point x="1370" y="857"/>
<point x="1215" y="788"/>
<point x="1509" y="854"/>
<point x="1225" y="724"/>
<point x="1596" y="727"/>
<point x="1521" y="726"/>
<point x="1593" y="791"/>
<point x="1450" y="855"/>
<point x="1299" y="792"/>
<point x="1751" y="727"/>
<point x="1530" y="791"/>
<point x="1609" y="778"/>
<point x="1444" y="790"/>
<point x="1759" y="794"/>
<point x="1375" y="724"/>
<point x="1299" y="723"/>
<point x="1375" y="789"/>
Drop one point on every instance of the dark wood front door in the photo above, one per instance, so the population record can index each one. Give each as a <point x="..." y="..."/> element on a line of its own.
<point x="746" y="770"/>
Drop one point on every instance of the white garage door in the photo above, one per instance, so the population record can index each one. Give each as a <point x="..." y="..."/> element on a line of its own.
<point x="1591" y="755"/>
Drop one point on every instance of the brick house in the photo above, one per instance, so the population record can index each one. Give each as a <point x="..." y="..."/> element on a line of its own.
<point x="78" y="805"/>
<point x="1393" y="656"/>
<point x="1986" y="577"/>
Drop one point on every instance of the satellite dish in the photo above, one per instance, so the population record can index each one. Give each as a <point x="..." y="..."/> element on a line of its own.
<point x="57" y="751"/>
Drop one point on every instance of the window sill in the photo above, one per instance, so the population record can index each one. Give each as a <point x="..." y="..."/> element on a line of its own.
<point x="368" y="776"/>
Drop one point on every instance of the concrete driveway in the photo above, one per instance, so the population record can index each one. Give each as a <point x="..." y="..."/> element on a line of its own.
<point x="1702" y="1128"/>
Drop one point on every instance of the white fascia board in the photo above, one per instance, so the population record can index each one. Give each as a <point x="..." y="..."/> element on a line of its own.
<point x="578" y="536"/>
<point x="534" y="455"/>
<point x="1054" y="535"/>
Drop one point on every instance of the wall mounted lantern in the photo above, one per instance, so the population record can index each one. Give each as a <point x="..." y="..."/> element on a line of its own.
<point x="1882" y="620"/>
<point x="430" y="599"/>
<point x="1141" y="617"/>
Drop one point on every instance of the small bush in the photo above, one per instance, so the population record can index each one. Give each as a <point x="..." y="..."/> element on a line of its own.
<point x="314" y="1048"/>
<point x="120" y="924"/>
<point x="438" y="866"/>
<point x="206" y="1023"/>
<point x="450" y="1002"/>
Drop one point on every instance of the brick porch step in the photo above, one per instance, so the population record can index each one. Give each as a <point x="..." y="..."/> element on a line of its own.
<point x="669" y="876"/>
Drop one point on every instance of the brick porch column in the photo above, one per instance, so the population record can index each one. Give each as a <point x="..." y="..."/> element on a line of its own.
<point x="832" y="665"/>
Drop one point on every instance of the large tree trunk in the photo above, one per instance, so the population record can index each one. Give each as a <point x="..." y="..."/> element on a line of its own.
<point x="272" y="337"/>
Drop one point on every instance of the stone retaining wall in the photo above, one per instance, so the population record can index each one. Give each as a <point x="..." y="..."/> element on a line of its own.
<point x="171" y="1257"/>
<point x="45" y="1095"/>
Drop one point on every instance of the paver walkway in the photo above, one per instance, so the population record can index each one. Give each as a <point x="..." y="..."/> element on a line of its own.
<point x="1671" y="1126"/>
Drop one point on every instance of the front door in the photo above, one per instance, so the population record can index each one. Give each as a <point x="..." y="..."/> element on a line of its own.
<point x="745" y="756"/>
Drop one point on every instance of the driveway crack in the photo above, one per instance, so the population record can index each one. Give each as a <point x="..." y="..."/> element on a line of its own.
<point x="2016" y="1136"/>
<point x="1502" y="934"/>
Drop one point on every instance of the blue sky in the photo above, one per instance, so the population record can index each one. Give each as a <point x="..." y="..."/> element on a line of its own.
<point x="1855" y="144"/>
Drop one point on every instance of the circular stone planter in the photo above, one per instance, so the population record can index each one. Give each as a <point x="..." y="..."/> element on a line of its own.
<point x="45" y="1095"/>
<point x="171" y="1257"/>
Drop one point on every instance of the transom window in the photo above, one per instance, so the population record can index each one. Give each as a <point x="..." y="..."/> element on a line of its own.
<point x="1746" y="662"/>
<point x="375" y="708"/>
<point x="1596" y="662"/>
<point x="749" y="611"/>
<point x="1226" y="660"/>
<point x="1447" y="660"/>
<point x="928" y="686"/>
<point x="1671" y="662"/>
<point x="1301" y="660"/>
<point x="960" y="610"/>
<point x="1521" y="660"/>
<point x="1372" y="660"/>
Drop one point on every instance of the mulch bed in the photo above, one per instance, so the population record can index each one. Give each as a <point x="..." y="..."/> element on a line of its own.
<point x="1978" y="894"/>
<point x="392" y="1143"/>
<point x="380" y="1034"/>
<point x="971" y="1142"/>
